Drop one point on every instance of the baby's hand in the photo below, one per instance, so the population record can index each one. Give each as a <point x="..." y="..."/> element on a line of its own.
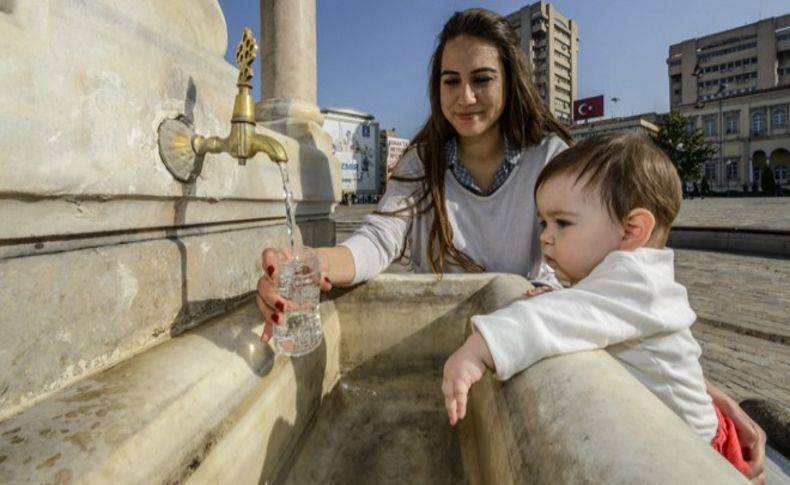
<point x="465" y="367"/>
<point x="537" y="290"/>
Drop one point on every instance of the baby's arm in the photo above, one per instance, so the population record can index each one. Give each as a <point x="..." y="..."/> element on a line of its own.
<point x="465" y="367"/>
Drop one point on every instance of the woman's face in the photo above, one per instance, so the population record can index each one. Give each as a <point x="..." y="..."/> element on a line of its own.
<point x="472" y="86"/>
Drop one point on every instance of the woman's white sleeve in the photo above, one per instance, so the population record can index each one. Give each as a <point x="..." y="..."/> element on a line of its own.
<point x="380" y="239"/>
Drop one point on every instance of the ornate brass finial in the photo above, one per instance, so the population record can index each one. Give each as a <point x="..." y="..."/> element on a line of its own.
<point x="245" y="56"/>
<point x="179" y="145"/>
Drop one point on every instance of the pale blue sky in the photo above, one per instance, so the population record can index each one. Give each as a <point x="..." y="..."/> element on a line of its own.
<point x="373" y="54"/>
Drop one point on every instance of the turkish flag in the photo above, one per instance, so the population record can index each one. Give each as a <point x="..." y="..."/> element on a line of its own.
<point x="588" y="108"/>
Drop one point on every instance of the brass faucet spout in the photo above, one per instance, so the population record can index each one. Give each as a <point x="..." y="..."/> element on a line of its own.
<point x="177" y="136"/>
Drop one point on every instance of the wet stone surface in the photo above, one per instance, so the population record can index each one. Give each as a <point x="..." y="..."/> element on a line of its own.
<point x="381" y="429"/>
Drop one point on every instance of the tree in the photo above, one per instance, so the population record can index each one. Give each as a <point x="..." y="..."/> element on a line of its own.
<point x="767" y="182"/>
<point x="687" y="149"/>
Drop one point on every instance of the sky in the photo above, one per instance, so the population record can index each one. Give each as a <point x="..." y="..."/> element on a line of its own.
<point x="373" y="55"/>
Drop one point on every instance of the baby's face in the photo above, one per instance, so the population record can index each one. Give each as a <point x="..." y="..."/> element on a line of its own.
<point x="578" y="231"/>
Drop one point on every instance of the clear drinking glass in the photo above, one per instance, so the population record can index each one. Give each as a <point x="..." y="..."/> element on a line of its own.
<point x="299" y="282"/>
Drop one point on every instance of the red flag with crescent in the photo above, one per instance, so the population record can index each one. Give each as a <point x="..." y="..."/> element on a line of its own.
<point x="588" y="108"/>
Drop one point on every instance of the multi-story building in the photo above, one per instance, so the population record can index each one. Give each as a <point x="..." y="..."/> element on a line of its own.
<point x="551" y="41"/>
<point x="735" y="86"/>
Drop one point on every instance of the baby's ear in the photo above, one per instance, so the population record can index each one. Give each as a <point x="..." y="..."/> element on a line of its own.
<point x="637" y="229"/>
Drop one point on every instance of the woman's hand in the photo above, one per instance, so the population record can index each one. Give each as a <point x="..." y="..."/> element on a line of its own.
<point x="270" y="303"/>
<point x="750" y="435"/>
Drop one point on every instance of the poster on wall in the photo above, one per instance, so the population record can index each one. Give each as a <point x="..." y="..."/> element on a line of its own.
<point x="355" y="145"/>
<point x="395" y="149"/>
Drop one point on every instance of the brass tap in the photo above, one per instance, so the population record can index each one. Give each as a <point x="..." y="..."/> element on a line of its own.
<point x="179" y="144"/>
<point x="242" y="142"/>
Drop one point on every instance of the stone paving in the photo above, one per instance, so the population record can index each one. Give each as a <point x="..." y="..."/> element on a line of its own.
<point x="746" y="212"/>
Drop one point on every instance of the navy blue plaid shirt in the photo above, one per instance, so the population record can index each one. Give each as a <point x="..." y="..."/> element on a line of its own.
<point x="463" y="176"/>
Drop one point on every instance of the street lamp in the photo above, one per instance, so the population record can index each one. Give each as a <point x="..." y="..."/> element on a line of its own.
<point x="614" y="100"/>
<point x="722" y="87"/>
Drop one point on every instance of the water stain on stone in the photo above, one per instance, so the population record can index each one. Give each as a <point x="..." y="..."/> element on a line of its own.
<point x="63" y="476"/>
<point x="64" y="431"/>
<point x="115" y="435"/>
<point x="49" y="462"/>
<point x="13" y="431"/>
<point x="95" y="425"/>
<point x="2" y="458"/>
<point x="80" y="439"/>
<point x="101" y="413"/>
<point x="45" y="432"/>
<point x="27" y="460"/>
<point x="83" y="396"/>
<point x="17" y="439"/>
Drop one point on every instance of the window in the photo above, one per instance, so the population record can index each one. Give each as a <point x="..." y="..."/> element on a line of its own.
<point x="731" y="123"/>
<point x="780" y="174"/>
<point x="733" y="169"/>
<point x="709" y="126"/>
<point x="758" y="123"/>
<point x="779" y="118"/>
<point x="710" y="171"/>
<point x="691" y="125"/>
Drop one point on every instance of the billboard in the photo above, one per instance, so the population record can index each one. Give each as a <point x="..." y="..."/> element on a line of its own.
<point x="355" y="143"/>
<point x="587" y="108"/>
<point x="395" y="149"/>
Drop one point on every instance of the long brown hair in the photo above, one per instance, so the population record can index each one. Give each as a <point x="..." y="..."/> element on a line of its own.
<point x="525" y="121"/>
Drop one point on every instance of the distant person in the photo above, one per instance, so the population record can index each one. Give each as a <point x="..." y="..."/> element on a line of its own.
<point x="694" y="190"/>
<point x="606" y="207"/>
<point x="461" y="197"/>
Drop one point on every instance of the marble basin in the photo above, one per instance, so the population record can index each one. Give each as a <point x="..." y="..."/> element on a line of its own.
<point x="214" y="405"/>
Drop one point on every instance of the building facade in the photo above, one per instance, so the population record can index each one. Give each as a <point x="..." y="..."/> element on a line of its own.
<point x="646" y="123"/>
<point x="751" y="132"/>
<point x="735" y="87"/>
<point x="356" y="145"/>
<point x="551" y="42"/>
<point x="738" y="61"/>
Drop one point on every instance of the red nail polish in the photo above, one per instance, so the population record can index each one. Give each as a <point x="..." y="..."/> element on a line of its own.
<point x="279" y="305"/>
<point x="276" y="317"/>
<point x="270" y="270"/>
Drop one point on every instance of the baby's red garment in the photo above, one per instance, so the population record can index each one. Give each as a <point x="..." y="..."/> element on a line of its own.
<point x="727" y="444"/>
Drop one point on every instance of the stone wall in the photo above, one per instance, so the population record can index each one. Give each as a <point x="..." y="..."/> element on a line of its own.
<point x="102" y="252"/>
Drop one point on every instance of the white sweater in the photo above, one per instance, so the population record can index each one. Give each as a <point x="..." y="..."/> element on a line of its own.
<point x="499" y="231"/>
<point x="631" y="305"/>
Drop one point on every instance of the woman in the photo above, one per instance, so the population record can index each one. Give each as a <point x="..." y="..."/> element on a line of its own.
<point x="461" y="197"/>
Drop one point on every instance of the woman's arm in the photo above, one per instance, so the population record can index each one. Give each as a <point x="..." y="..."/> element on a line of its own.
<point x="337" y="264"/>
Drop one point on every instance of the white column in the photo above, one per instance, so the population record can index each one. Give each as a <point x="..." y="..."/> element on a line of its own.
<point x="288" y="70"/>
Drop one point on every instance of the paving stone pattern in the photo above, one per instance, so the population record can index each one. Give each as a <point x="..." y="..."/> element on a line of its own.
<point x="742" y="212"/>
<point x="743" y="305"/>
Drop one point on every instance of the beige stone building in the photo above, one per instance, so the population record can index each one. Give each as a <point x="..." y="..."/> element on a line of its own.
<point x="735" y="86"/>
<point x="646" y="123"/>
<point x="551" y="41"/>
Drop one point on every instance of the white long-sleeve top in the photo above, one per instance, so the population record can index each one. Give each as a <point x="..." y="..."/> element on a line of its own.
<point x="631" y="305"/>
<point x="499" y="231"/>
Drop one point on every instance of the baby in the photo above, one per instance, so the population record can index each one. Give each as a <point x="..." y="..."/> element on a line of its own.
<point x="606" y="206"/>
